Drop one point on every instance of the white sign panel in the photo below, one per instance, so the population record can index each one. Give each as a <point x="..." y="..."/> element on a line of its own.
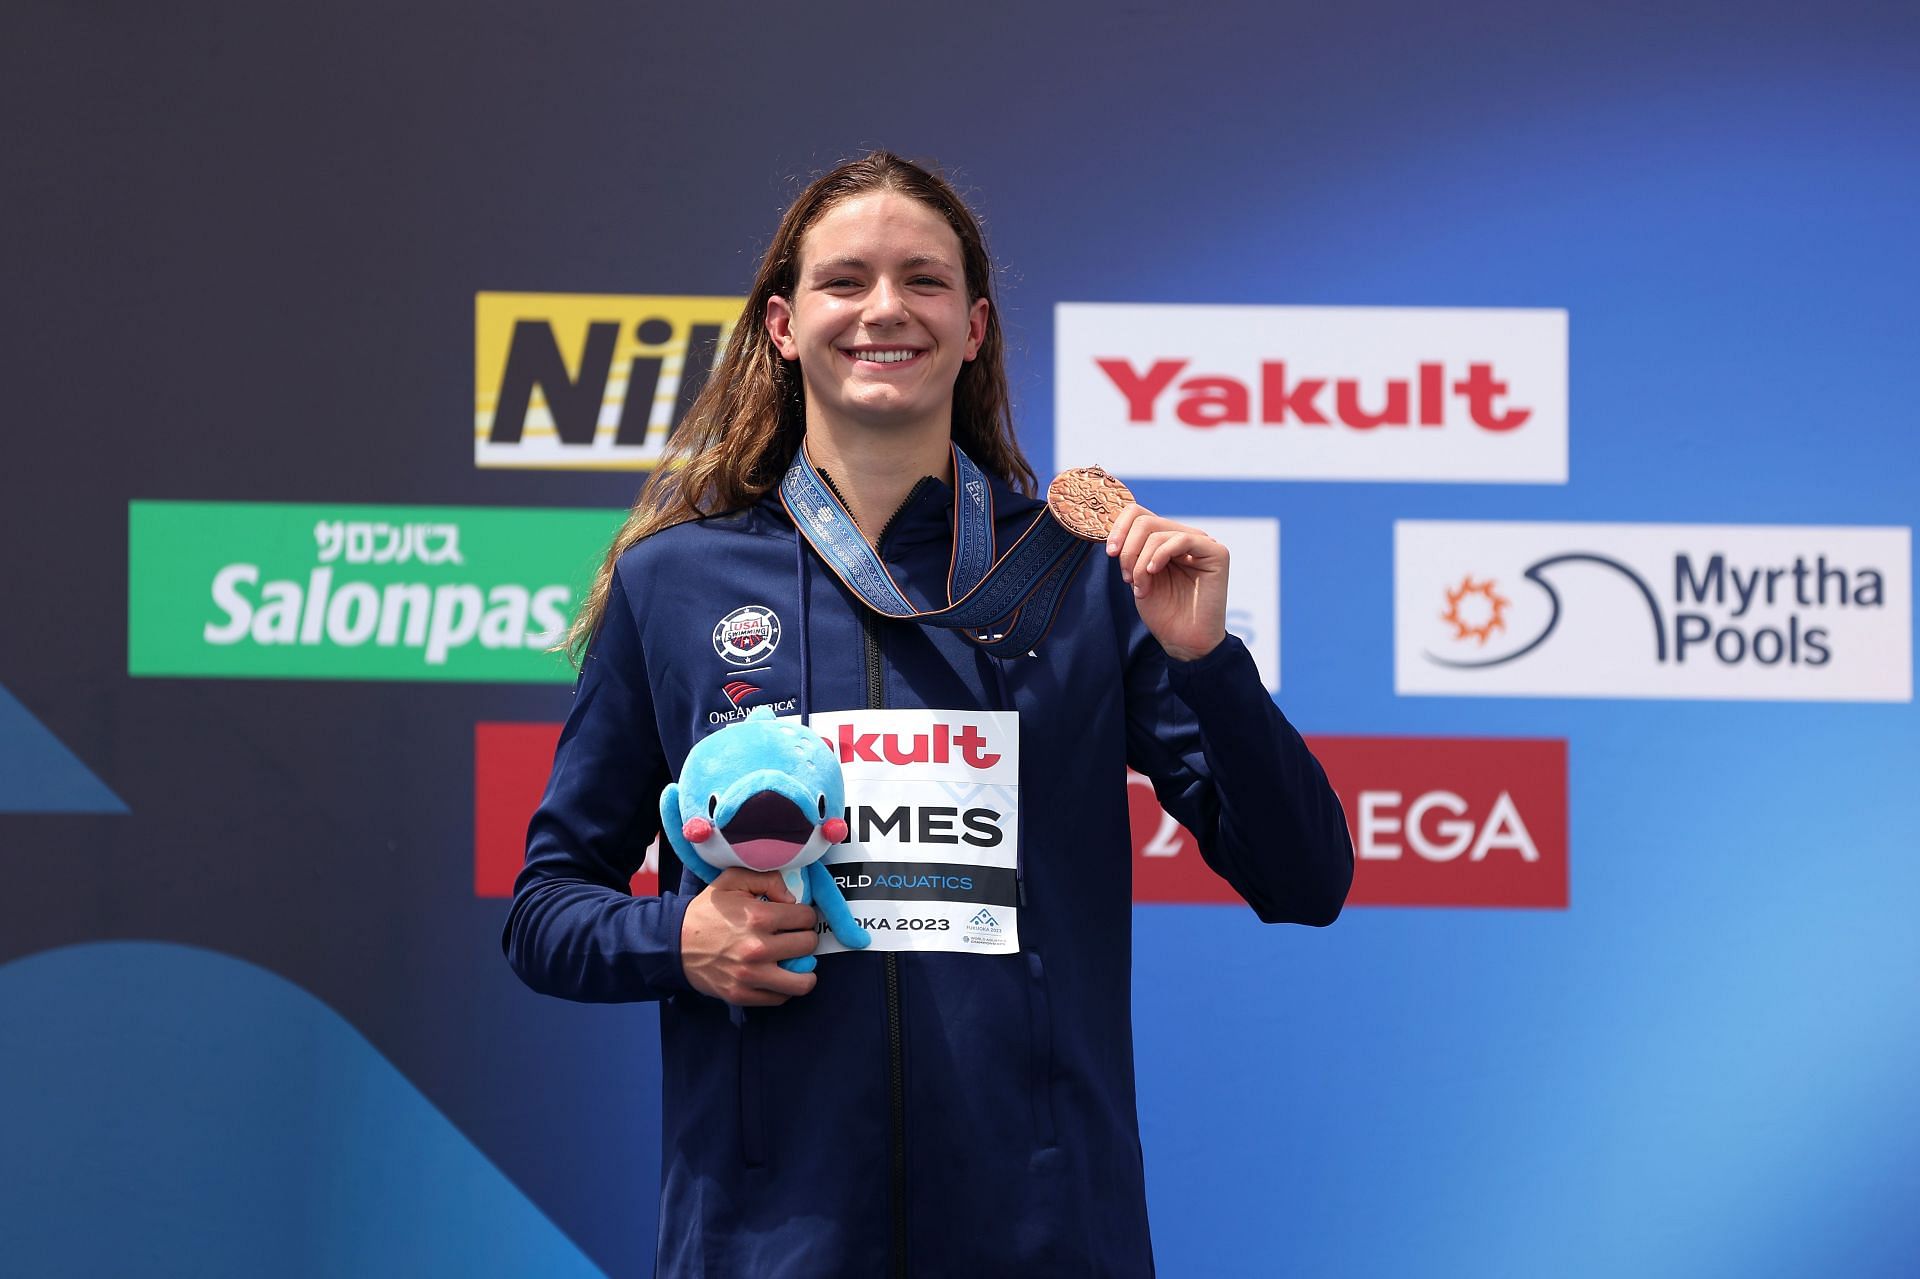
<point x="1746" y="612"/>
<point x="1312" y="393"/>
<point x="1253" y="584"/>
<point x="933" y="828"/>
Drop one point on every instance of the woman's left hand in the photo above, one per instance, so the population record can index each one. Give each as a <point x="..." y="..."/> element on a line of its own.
<point x="1179" y="578"/>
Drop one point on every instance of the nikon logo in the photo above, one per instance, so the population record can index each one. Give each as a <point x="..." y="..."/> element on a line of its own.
<point x="265" y="591"/>
<point x="585" y="381"/>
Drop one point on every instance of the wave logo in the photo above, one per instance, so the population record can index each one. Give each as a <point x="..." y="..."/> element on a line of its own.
<point x="1644" y="610"/>
<point x="1475" y="610"/>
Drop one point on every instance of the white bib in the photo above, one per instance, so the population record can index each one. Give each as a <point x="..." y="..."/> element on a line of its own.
<point x="933" y="828"/>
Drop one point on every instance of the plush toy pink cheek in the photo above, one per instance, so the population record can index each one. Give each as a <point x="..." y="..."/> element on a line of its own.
<point x="835" y="829"/>
<point x="699" y="830"/>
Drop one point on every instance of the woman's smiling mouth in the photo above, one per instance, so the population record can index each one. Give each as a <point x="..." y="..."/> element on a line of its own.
<point x="883" y="355"/>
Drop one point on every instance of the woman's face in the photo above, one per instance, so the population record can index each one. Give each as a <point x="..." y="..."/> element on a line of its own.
<point x="879" y="318"/>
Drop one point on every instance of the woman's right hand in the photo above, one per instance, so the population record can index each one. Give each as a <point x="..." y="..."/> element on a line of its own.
<point x="732" y="942"/>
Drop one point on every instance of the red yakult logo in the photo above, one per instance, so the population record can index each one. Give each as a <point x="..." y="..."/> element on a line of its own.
<point x="1434" y="822"/>
<point x="1312" y="393"/>
<point x="964" y="744"/>
<point x="1210" y="400"/>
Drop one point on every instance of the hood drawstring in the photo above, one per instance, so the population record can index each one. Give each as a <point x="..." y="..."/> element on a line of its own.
<point x="803" y="569"/>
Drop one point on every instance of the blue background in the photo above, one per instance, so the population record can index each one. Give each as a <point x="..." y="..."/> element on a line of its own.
<point x="252" y="1019"/>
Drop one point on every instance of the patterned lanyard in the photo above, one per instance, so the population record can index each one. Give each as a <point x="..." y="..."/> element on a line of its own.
<point x="1005" y="607"/>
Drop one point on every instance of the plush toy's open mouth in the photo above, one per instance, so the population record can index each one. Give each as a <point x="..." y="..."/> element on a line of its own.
<point x="767" y="831"/>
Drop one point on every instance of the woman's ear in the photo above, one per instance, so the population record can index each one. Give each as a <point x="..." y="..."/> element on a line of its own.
<point x="976" y="326"/>
<point x="780" y="327"/>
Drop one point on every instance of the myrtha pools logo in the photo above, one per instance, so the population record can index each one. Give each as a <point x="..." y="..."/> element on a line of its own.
<point x="1691" y="611"/>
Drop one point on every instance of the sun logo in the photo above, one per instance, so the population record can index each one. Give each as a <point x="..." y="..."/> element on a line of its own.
<point x="1473" y="609"/>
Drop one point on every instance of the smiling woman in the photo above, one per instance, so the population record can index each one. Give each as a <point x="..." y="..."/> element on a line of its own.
<point x="880" y="322"/>
<point x="953" y="1094"/>
<point x="738" y="438"/>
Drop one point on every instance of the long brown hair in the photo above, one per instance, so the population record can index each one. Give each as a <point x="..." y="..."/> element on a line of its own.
<point x="739" y="437"/>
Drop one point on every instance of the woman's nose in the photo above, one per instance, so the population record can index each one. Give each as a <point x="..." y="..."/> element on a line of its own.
<point x="885" y="303"/>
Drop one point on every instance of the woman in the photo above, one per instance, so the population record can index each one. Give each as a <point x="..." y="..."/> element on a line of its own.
<point x="916" y="1111"/>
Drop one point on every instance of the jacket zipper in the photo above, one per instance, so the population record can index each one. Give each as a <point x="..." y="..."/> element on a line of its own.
<point x="896" y="1058"/>
<point x="896" y="1069"/>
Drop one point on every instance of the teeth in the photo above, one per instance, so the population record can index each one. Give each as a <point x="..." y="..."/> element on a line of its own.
<point x="886" y="357"/>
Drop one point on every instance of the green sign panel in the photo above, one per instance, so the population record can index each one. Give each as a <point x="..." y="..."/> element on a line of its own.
<point x="261" y="591"/>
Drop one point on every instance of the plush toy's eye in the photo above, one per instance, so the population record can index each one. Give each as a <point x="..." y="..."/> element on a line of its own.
<point x="713" y="805"/>
<point x="823" y="808"/>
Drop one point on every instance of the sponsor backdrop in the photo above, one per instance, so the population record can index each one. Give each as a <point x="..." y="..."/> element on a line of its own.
<point x="1549" y="375"/>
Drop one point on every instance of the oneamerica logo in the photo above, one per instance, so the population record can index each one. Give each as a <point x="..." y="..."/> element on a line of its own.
<point x="1764" y="612"/>
<point x="1325" y="393"/>
<point x="783" y="706"/>
<point x="737" y="692"/>
<point x="747" y="635"/>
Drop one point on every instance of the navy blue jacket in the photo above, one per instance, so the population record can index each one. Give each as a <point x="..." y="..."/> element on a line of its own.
<point x="915" y="1113"/>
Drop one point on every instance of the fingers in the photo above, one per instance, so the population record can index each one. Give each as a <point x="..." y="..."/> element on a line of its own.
<point x="755" y="979"/>
<point x="791" y="945"/>
<point x="1154" y="545"/>
<point x="757" y="942"/>
<point x="760" y="883"/>
<point x="779" y="917"/>
<point x="1196" y="549"/>
<point x="747" y="970"/>
<point x="1176" y="546"/>
<point x="1117" y="535"/>
<point x="735" y="934"/>
<point x="1130" y="533"/>
<point x="1146" y="543"/>
<point x="1185" y="546"/>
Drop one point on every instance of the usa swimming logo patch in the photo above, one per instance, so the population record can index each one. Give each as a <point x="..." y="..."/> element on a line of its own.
<point x="747" y="635"/>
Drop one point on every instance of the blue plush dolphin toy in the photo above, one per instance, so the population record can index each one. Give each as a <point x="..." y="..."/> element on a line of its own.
<point x="766" y="794"/>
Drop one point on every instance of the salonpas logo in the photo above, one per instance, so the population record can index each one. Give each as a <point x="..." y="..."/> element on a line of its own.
<point x="355" y="592"/>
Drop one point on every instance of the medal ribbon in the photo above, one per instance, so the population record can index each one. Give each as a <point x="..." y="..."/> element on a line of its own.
<point x="1003" y="605"/>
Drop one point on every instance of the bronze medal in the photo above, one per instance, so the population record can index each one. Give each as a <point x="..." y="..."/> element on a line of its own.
<point x="1086" y="501"/>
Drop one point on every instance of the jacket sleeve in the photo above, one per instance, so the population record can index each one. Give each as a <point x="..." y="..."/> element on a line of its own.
<point x="1229" y="767"/>
<point x="574" y="929"/>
